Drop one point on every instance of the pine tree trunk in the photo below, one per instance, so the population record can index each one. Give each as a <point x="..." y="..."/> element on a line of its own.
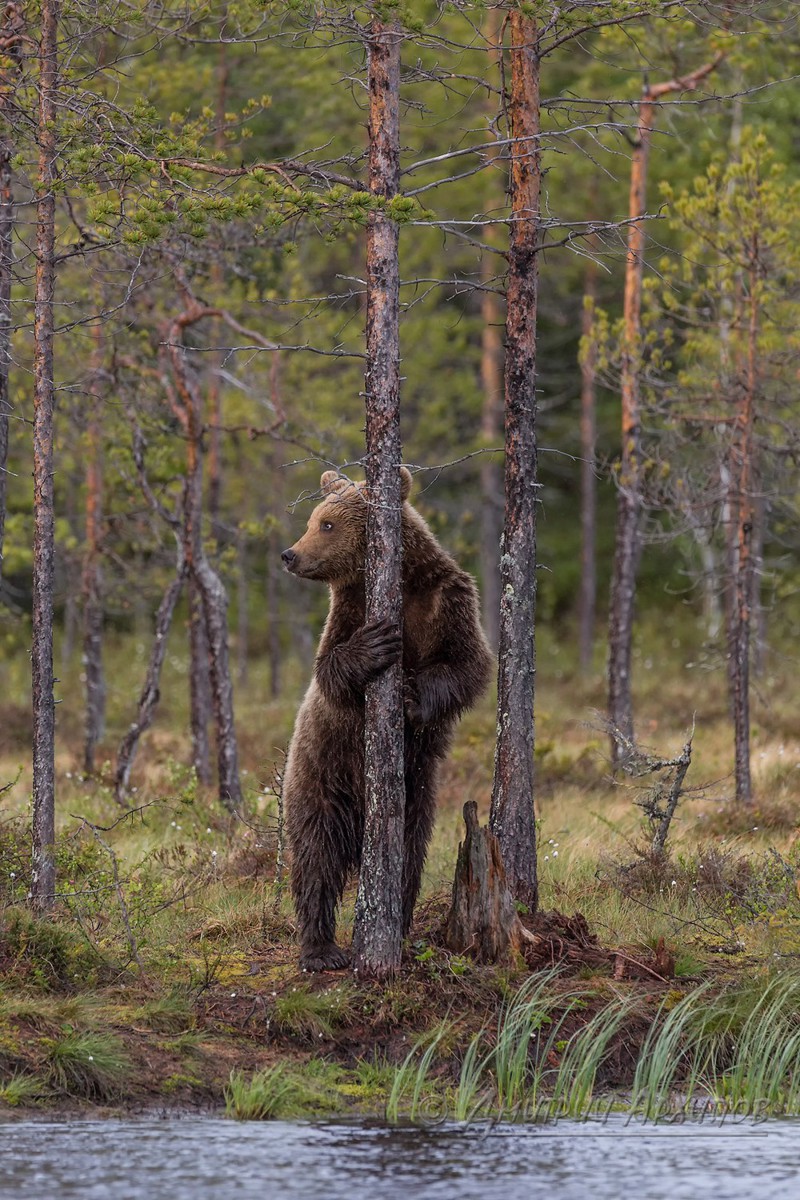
<point x="6" y="253"/>
<point x="11" y="29"/>
<point x="491" y="476"/>
<point x="627" y="545"/>
<point x="742" y="509"/>
<point x="377" y="934"/>
<point x="512" y="812"/>
<point x="242" y="615"/>
<point x="92" y="582"/>
<point x="199" y="686"/>
<point x="588" y="592"/>
<point x="214" y="407"/>
<point x="491" y="480"/>
<point x="43" y="875"/>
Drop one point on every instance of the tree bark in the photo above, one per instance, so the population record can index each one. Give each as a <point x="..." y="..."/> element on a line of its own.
<point x="92" y="581"/>
<point x="627" y="543"/>
<point x="491" y="479"/>
<point x="6" y="260"/>
<point x="11" y="27"/>
<point x="512" y="813"/>
<point x="483" y="918"/>
<point x="215" y="366"/>
<point x="742" y="509"/>
<point x="377" y="935"/>
<point x="242" y="615"/>
<point x="588" y="593"/>
<point x="43" y="875"/>
<point x="199" y="686"/>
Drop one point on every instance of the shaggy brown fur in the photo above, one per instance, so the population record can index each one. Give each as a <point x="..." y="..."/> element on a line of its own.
<point x="446" y="666"/>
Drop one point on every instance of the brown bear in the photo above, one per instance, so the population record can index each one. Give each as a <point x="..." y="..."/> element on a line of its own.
<point x="446" y="665"/>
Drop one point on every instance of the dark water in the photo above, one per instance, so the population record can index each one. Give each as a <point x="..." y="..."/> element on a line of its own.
<point x="205" y="1158"/>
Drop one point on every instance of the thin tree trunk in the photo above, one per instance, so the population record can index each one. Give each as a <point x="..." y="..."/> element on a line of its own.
<point x="11" y="28"/>
<point x="6" y="261"/>
<point x="274" y="543"/>
<point x="199" y="686"/>
<point x="512" y="813"/>
<point x="627" y="546"/>
<point x="759" y="608"/>
<point x="43" y="875"/>
<point x="242" y="630"/>
<point x="187" y="406"/>
<point x="742" y="505"/>
<point x="490" y="471"/>
<point x="491" y="478"/>
<point x="215" y="609"/>
<point x="215" y="388"/>
<point x="150" y="691"/>
<point x="377" y="935"/>
<point x="272" y="596"/>
<point x="588" y="592"/>
<point x="92" y="582"/>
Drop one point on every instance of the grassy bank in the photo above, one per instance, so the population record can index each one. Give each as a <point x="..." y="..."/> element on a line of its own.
<point x="169" y="974"/>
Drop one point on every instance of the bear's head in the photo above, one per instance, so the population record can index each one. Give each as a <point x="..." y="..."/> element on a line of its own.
<point x="334" y="545"/>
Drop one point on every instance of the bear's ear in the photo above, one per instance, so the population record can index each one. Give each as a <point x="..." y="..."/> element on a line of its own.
<point x="405" y="483"/>
<point x="330" y="481"/>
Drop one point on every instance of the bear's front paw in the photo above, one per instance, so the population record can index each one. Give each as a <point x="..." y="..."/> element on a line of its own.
<point x="379" y="645"/>
<point x="329" y="957"/>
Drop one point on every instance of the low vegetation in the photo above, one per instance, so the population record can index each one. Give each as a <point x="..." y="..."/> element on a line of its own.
<point x="657" y="982"/>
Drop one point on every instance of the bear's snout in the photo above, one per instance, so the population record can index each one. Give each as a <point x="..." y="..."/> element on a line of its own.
<point x="289" y="559"/>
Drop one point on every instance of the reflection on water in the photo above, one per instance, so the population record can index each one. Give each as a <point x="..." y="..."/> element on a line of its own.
<point x="204" y="1158"/>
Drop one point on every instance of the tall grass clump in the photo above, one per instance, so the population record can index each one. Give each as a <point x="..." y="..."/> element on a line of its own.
<point x="411" y="1077"/>
<point x="530" y="1026"/>
<point x="755" y="1047"/>
<point x="573" y="1085"/>
<point x="263" y="1096"/>
<point x="92" y="1066"/>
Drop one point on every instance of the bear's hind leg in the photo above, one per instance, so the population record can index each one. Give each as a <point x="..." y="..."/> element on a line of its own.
<point x="324" y="850"/>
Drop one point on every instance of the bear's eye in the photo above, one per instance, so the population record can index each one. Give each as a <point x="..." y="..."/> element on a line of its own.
<point x="326" y="526"/>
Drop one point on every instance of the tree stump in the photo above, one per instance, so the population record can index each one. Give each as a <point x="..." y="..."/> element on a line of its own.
<point x="483" y="918"/>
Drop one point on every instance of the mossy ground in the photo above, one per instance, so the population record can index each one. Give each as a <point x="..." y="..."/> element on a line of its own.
<point x="216" y="997"/>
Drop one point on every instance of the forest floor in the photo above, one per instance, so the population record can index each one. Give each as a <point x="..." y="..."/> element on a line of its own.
<point x="168" y="977"/>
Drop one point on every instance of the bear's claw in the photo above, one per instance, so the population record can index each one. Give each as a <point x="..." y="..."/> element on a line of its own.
<point x="324" y="958"/>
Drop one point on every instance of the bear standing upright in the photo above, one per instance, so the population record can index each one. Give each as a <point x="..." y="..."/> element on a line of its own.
<point x="446" y="664"/>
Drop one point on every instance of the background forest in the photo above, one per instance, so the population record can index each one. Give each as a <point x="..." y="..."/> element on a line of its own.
<point x="200" y="173"/>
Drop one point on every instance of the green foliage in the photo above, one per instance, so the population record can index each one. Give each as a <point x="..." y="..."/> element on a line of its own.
<point x="47" y="954"/>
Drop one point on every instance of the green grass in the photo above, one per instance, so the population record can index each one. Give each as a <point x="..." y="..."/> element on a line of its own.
<point x="91" y="1066"/>
<point x="312" y="1014"/>
<point x="21" y="1089"/>
<point x="220" y="979"/>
